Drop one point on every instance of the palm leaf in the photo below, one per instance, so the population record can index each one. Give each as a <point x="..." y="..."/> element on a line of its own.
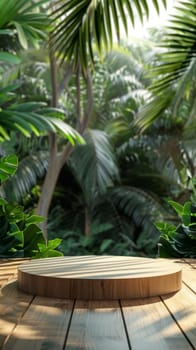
<point x="176" y="64"/>
<point x="8" y="166"/>
<point x="79" y="24"/>
<point x="29" y="22"/>
<point x="33" y="117"/>
<point x="30" y="169"/>
<point x="9" y="58"/>
<point x="138" y="205"/>
<point x="94" y="164"/>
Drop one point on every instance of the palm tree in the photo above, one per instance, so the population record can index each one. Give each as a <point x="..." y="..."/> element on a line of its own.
<point x="78" y="25"/>
<point x="95" y="196"/>
<point x="150" y="168"/>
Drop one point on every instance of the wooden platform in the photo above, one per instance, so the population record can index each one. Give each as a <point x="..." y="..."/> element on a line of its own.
<point x="99" y="277"/>
<point x="28" y="322"/>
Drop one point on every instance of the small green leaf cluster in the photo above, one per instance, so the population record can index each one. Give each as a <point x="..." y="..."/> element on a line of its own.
<point x="179" y="240"/>
<point x="48" y="249"/>
<point x="20" y="234"/>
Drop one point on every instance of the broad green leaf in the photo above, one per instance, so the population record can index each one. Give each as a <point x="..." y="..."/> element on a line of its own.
<point x="34" y="219"/>
<point x="21" y="35"/>
<point x="32" y="236"/>
<point x="9" y="58"/>
<point x="97" y="163"/>
<point x="8" y="166"/>
<point x="54" y="243"/>
<point x="105" y="244"/>
<point x="6" y="32"/>
<point x="177" y="207"/>
<point x="18" y="235"/>
<point x="68" y="132"/>
<point x="186" y="218"/>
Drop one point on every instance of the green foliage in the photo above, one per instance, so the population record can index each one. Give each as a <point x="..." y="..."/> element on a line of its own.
<point x="7" y="57"/>
<point x="179" y="46"/>
<point x="21" y="235"/>
<point x="104" y="240"/>
<point x="30" y="169"/>
<point x="94" y="164"/>
<point x="20" y="232"/>
<point x="24" y="16"/>
<point x="31" y="117"/>
<point x="174" y="68"/>
<point x="179" y="240"/>
<point x="183" y="211"/>
<point x="8" y="167"/>
<point x="30" y="24"/>
<point x="47" y="249"/>
<point x="112" y="232"/>
<point x="79" y="25"/>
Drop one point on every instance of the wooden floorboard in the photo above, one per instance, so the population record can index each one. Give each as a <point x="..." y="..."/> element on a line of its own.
<point x="43" y="326"/>
<point x="192" y="262"/>
<point x="150" y="326"/>
<point x="13" y="305"/>
<point x="36" y="323"/>
<point x="97" y="325"/>
<point x="182" y="307"/>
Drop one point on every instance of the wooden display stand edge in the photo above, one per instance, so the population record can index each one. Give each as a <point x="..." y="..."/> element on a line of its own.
<point x="106" y="288"/>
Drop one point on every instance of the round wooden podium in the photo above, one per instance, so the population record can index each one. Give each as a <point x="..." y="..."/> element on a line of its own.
<point x="99" y="277"/>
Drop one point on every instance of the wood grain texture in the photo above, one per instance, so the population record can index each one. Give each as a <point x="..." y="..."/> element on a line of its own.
<point x="99" y="277"/>
<point x="150" y="326"/>
<point x="43" y="327"/>
<point x="13" y="304"/>
<point x="97" y="325"/>
<point x="189" y="278"/>
<point x="192" y="262"/>
<point x="182" y="306"/>
<point x="36" y="323"/>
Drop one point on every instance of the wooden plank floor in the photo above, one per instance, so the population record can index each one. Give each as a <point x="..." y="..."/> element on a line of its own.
<point x="29" y="322"/>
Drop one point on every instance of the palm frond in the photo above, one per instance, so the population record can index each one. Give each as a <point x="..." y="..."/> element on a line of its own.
<point x="94" y="164"/>
<point x="30" y="23"/>
<point x="81" y="23"/>
<point x="137" y="205"/>
<point x="32" y="117"/>
<point x="30" y="169"/>
<point x="8" y="166"/>
<point x="175" y="66"/>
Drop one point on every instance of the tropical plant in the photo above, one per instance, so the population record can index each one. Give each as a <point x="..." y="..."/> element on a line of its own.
<point x="26" y="24"/>
<point x="92" y="202"/>
<point x="77" y="26"/>
<point x="29" y="24"/>
<point x="47" y="249"/>
<point x="19" y="231"/>
<point x="174" y="70"/>
<point x="149" y="168"/>
<point x="180" y="240"/>
<point x="81" y="24"/>
<point x="20" y="234"/>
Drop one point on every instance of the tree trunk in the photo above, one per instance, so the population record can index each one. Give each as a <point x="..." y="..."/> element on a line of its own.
<point x="57" y="160"/>
<point x="87" y="224"/>
<point x="55" y="165"/>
